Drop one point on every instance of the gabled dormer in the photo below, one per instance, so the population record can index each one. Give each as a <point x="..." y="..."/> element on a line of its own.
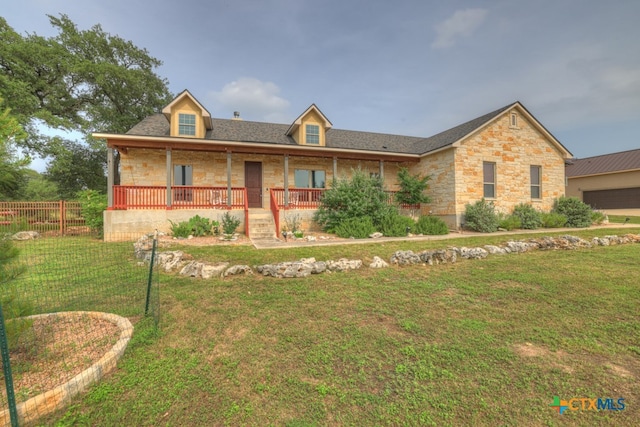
<point x="188" y="118"/>
<point x="310" y="128"/>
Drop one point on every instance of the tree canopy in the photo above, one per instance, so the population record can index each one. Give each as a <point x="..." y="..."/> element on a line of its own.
<point x="78" y="80"/>
<point x="12" y="167"/>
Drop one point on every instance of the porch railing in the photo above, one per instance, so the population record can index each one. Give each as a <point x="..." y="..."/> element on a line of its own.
<point x="181" y="197"/>
<point x="309" y="198"/>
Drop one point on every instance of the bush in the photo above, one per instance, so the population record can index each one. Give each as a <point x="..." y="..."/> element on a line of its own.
<point x="481" y="216"/>
<point x="229" y="223"/>
<point x="13" y="307"/>
<point x="553" y="220"/>
<point x="530" y="218"/>
<point x="577" y="212"/>
<point x="509" y="222"/>
<point x="358" y="228"/>
<point x="93" y="204"/>
<point x="196" y="226"/>
<point x="358" y="197"/>
<point x="396" y="226"/>
<point x="598" y="217"/>
<point x="432" y="225"/>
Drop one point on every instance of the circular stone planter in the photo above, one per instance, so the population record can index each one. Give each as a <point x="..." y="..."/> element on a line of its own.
<point x="60" y="396"/>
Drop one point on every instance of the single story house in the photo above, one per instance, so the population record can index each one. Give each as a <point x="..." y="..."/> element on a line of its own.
<point x="610" y="181"/>
<point x="183" y="162"/>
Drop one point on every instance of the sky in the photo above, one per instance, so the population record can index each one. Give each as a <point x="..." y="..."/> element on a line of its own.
<point x="408" y="67"/>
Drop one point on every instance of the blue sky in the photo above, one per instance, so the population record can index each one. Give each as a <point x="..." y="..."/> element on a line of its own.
<point x="411" y="67"/>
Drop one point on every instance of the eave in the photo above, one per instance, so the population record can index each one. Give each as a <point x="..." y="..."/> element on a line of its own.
<point x="124" y="142"/>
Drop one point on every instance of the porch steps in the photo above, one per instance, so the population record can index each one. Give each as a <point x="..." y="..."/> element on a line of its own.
<point x="261" y="224"/>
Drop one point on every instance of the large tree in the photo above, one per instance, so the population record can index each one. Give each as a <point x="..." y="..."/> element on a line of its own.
<point x="79" y="80"/>
<point x="12" y="167"/>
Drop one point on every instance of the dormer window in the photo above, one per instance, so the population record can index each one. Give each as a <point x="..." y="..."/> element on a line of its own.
<point x="313" y="134"/>
<point x="187" y="124"/>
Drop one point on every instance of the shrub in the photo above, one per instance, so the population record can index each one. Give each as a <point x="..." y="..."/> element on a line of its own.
<point x="509" y="222"/>
<point x="412" y="189"/>
<point x="229" y="223"/>
<point x="196" y="226"/>
<point x="481" y="216"/>
<point x="358" y="228"/>
<point x="354" y="198"/>
<point x="13" y="307"/>
<point x="577" y="212"/>
<point x="93" y="204"/>
<point x="432" y="225"/>
<point x="598" y="217"/>
<point x="553" y="220"/>
<point x="396" y="226"/>
<point x="529" y="217"/>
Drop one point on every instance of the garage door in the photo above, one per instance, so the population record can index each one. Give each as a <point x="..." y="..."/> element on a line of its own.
<point x="620" y="198"/>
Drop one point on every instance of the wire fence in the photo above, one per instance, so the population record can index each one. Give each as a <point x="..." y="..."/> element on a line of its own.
<point x="69" y="305"/>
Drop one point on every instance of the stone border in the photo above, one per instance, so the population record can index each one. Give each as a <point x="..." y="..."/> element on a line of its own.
<point x="57" y="398"/>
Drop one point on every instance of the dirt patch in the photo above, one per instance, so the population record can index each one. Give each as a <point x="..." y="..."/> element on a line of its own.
<point x="54" y="349"/>
<point x="554" y="358"/>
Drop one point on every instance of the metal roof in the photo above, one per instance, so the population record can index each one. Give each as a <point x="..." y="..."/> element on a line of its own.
<point x="607" y="163"/>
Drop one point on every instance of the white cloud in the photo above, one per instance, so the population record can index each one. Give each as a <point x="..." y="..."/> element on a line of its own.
<point x="254" y="99"/>
<point x="462" y="24"/>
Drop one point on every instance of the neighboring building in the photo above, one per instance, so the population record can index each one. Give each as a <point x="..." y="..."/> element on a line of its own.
<point x="610" y="181"/>
<point x="183" y="162"/>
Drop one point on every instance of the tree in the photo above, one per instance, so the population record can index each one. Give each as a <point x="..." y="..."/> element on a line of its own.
<point x="39" y="188"/>
<point x="412" y="188"/>
<point x="82" y="80"/>
<point x="12" y="167"/>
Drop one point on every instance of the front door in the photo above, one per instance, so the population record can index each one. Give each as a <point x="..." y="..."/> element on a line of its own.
<point x="253" y="183"/>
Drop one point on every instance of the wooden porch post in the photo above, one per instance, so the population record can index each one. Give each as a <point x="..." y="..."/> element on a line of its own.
<point x="335" y="169"/>
<point x="286" y="180"/>
<point x="381" y="167"/>
<point x="110" y="172"/>
<point x="228" y="178"/>
<point x="169" y="162"/>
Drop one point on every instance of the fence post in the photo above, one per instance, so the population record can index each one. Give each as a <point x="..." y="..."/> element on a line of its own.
<point x="62" y="215"/>
<point x="6" y="368"/>
<point x="151" y="265"/>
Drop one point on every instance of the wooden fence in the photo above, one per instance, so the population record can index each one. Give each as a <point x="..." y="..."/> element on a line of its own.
<point x="59" y="218"/>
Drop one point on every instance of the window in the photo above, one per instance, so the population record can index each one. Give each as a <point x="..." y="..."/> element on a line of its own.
<point x="313" y="134"/>
<point x="186" y="124"/>
<point x="514" y="120"/>
<point x="536" y="190"/>
<point x="182" y="176"/>
<point x="489" y="179"/>
<point x="309" y="179"/>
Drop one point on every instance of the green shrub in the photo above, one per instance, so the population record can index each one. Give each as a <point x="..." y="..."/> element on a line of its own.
<point x="509" y="222"/>
<point x="553" y="220"/>
<point x="354" y="198"/>
<point x="431" y="225"/>
<point x="196" y="226"/>
<point x="229" y="223"/>
<point x="13" y="307"/>
<point x="577" y="212"/>
<point x="529" y="217"/>
<point x="481" y="216"/>
<point x="396" y="226"/>
<point x="598" y="217"/>
<point x="93" y="204"/>
<point x="358" y="228"/>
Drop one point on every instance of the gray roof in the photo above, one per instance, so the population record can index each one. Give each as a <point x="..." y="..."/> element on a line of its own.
<point x="607" y="163"/>
<point x="273" y="133"/>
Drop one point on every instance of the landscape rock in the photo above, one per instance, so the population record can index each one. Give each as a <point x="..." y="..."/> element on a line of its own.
<point x="405" y="258"/>
<point x="344" y="264"/>
<point x="208" y="271"/>
<point x="378" y="263"/>
<point x="472" y="253"/>
<point x="238" y="269"/>
<point x="168" y="260"/>
<point x="26" y="235"/>
<point x="376" y="235"/>
<point x="439" y="256"/>
<point x="495" y="250"/>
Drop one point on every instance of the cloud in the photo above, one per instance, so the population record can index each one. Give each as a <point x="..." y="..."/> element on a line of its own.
<point x="462" y="24"/>
<point x="254" y="99"/>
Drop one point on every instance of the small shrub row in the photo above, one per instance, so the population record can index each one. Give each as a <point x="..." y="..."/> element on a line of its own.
<point x="196" y="226"/>
<point x="567" y="212"/>
<point x="391" y="226"/>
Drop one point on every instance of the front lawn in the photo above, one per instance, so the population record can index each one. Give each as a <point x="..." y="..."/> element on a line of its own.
<point x="482" y="342"/>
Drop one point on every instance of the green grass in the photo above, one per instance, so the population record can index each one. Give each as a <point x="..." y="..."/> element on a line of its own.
<point x="622" y="218"/>
<point x="483" y="342"/>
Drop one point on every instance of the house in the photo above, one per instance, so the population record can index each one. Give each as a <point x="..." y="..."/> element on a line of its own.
<point x="182" y="162"/>
<point x="610" y="181"/>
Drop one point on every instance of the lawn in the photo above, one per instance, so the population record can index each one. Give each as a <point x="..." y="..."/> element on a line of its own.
<point x="482" y="342"/>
